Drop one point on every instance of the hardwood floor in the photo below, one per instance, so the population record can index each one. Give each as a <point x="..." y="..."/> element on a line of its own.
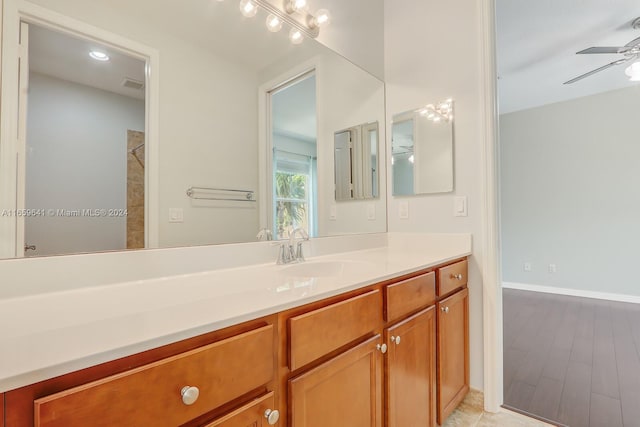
<point x="575" y="361"/>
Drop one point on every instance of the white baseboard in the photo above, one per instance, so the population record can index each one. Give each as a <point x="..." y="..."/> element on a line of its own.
<point x="572" y="292"/>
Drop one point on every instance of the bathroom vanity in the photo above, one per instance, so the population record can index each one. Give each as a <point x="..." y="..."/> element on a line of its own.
<point x="367" y="341"/>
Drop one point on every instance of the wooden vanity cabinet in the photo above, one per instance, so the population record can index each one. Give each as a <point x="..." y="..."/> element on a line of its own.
<point x="231" y="368"/>
<point x="344" y="391"/>
<point x="452" y="352"/>
<point x="1" y="409"/>
<point x="410" y="371"/>
<point x="253" y="414"/>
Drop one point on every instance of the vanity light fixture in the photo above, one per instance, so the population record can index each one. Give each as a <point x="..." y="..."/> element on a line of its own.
<point x="309" y="26"/>
<point x="633" y="71"/>
<point x="99" y="56"/>
<point x="274" y="24"/>
<point x="248" y="8"/>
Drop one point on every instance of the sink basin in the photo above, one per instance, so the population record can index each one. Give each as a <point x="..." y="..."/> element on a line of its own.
<point x="324" y="268"/>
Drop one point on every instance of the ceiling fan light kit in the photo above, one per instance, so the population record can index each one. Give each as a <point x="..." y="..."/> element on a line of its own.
<point x="633" y="71"/>
<point x="630" y="51"/>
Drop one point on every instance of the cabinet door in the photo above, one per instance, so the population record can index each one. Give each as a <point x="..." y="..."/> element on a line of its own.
<point x="253" y="414"/>
<point x="344" y="391"/>
<point x="411" y="371"/>
<point x="452" y="352"/>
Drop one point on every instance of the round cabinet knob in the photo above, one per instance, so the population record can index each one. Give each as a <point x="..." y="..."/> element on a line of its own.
<point x="272" y="416"/>
<point x="189" y="395"/>
<point x="395" y="339"/>
<point x="457" y="276"/>
<point x="382" y="348"/>
<point x="445" y="310"/>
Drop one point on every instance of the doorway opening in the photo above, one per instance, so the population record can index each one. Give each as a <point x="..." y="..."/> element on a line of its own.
<point x="83" y="121"/>
<point x="293" y="133"/>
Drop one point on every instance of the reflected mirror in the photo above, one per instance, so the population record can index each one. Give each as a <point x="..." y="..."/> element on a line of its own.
<point x="144" y="130"/>
<point x="422" y="150"/>
<point x="356" y="162"/>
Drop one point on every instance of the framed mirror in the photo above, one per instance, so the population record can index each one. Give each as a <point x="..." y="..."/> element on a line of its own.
<point x="191" y="161"/>
<point x="422" y="150"/>
<point x="356" y="162"/>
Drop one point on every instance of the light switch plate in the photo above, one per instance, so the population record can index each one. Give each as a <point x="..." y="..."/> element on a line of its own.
<point x="176" y="215"/>
<point x="371" y="212"/>
<point x="403" y="209"/>
<point x="333" y="213"/>
<point x="460" y="206"/>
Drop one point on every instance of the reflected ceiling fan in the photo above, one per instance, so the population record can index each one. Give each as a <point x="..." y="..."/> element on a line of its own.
<point x="630" y="51"/>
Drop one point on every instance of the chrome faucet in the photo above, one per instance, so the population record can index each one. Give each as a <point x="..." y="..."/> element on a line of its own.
<point x="264" y="234"/>
<point x="287" y="254"/>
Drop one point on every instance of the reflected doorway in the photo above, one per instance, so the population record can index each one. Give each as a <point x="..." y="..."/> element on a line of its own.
<point x="84" y="145"/>
<point x="294" y="159"/>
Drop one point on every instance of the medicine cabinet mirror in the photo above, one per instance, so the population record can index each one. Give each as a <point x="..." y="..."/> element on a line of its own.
<point x="422" y="150"/>
<point x="356" y="162"/>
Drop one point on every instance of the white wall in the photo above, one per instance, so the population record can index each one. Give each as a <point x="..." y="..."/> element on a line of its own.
<point x="77" y="159"/>
<point x="433" y="51"/>
<point x="571" y="194"/>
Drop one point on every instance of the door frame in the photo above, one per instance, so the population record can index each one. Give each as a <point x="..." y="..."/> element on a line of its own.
<point x="265" y="131"/>
<point x="13" y="13"/>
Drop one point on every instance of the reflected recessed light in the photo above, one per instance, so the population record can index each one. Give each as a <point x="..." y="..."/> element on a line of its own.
<point x="99" y="56"/>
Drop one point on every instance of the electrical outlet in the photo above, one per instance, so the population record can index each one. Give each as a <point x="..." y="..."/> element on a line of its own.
<point x="176" y="215"/>
<point x="553" y="268"/>
<point x="527" y="267"/>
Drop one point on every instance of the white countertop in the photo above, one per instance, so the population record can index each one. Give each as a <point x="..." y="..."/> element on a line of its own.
<point x="50" y="334"/>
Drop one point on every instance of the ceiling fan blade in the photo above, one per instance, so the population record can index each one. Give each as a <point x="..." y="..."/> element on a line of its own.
<point x="597" y="70"/>
<point x="600" y="49"/>
<point x="633" y="43"/>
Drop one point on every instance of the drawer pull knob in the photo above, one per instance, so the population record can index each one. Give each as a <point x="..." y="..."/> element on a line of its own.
<point x="272" y="416"/>
<point x="382" y="348"/>
<point x="457" y="276"/>
<point x="189" y="395"/>
<point x="395" y="339"/>
<point x="445" y="310"/>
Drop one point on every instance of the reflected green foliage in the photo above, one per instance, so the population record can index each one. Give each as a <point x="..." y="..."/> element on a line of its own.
<point x="291" y="204"/>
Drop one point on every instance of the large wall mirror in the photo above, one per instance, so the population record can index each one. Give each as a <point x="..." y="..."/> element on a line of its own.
<point x="144" y="124"/>
<point x="422" y="150"/>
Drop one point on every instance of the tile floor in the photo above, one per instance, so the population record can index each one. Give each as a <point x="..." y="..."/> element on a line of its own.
<point x="470" y="413"/>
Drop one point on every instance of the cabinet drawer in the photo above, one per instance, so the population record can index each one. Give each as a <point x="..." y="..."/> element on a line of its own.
<point x="251" y="415"/>
<point x="151" y="395"/>
<point x="452" y="277"/>
<point x="314" y="334"/>
<point x="410" y="295"/>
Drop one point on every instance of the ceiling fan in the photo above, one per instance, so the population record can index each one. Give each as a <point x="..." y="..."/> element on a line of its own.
<point x="630" y="51"/>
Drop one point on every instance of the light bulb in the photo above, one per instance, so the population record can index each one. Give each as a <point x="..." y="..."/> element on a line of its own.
<point x="296" y="6"/>
<point x="436" y="119"/>
<point x="393" y="160"/>
<point x="248" y="9"/>
<point x="99" y="56"/>
<point x="295" y="36"/>
<point x="633" y="71"/>
<point x="411" y="158"/>
<point x="321" y="18"/>
<point x="274" y="24"/>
